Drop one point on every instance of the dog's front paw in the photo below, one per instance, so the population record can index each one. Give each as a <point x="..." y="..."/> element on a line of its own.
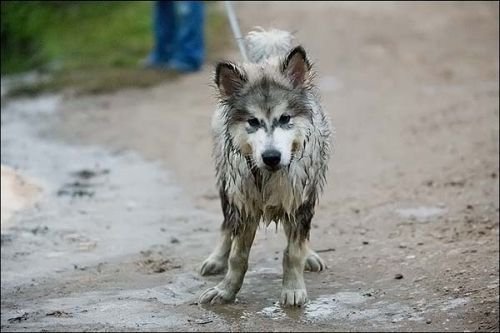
<point x="213" y="265"/>
<point x="293" y="297"/>
<point x="314" y="263"/>
<point x="216" y="295"/>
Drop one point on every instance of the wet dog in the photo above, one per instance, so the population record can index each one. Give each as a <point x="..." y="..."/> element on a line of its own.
<point x="271" y="149"/>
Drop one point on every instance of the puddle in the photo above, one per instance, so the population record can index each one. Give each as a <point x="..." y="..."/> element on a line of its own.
<point x="344" y="306"/>
<point x="97" y="208"/>
<point x="111" y="204"/>
<point x="337" y="306"/>
<point x="112" y="308"/>
<point x="420" y="213"/>
<point x="274" y="312"/>
<point x="83" y="183"/>
<point x="353" y="306"/>
<point x="42" y="105"/>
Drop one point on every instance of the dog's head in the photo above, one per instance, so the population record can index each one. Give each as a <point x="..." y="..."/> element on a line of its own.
<point x="268" y="114"/>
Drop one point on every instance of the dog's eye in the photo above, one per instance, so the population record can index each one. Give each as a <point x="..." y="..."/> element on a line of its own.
<point x="254" y="122"/>
<point x="284" y="119"/>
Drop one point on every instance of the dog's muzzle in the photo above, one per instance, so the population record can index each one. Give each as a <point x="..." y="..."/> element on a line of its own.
<point x="271" y="159"/>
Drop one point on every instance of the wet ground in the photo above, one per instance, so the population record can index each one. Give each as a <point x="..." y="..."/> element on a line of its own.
<point x="408" y="224"/>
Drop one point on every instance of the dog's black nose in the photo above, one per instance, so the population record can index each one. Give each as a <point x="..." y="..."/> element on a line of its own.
<point x="271" y="158"/>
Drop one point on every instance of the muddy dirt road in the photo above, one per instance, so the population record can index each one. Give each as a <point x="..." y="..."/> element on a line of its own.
<point x="408" y="224"/>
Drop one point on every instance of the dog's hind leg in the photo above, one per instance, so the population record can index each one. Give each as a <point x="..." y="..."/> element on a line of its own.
<point x="226" y="290"/>
<point x="314" y="263"/>
<point x="217" y="261"/>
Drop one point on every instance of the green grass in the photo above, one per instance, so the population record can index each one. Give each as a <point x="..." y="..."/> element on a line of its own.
<point x="91" y="46"/>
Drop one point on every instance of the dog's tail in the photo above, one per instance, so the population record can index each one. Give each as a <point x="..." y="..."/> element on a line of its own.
<point x="262" y="44"/>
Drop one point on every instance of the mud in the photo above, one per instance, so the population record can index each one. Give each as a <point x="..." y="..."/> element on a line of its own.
<point x="128" y="208"/>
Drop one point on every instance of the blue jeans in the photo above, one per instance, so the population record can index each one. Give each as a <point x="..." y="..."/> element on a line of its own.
<point x="178" y="34"/>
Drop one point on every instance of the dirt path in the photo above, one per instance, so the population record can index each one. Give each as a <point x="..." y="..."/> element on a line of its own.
<point x="130" y="208"/>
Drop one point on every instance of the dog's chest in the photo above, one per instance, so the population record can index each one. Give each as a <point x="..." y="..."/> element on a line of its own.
<point x="269" y="196"/>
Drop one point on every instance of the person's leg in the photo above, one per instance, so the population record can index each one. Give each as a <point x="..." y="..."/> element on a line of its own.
<point x="164" y="33"/>
<point x="189" y="50"/>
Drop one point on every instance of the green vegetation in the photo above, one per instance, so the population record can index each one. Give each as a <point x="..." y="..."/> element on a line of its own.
<point x="92" y="46"/>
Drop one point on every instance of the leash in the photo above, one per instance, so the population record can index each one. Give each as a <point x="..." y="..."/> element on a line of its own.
<point x="233" y="21"/>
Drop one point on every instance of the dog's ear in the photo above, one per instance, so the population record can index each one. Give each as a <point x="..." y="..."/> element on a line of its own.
<point x="296" y="66"/>
<point x="229" y="78"/>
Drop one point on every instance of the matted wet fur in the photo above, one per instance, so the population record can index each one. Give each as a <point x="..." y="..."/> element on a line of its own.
<point x="271" y="150"/>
